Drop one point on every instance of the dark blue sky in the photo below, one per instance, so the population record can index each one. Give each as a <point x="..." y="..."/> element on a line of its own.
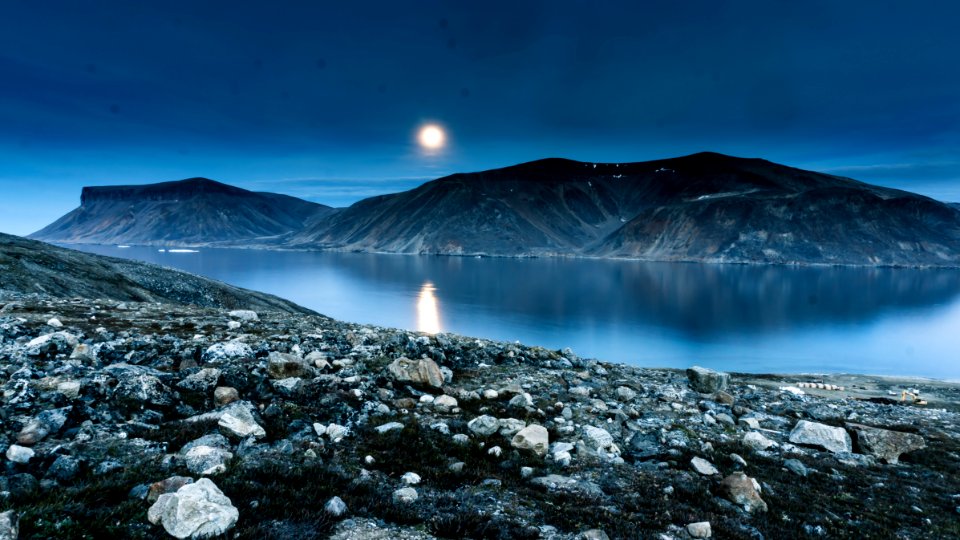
<point x="322" y="99"/>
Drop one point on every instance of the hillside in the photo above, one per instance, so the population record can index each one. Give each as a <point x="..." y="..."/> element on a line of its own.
<point x="28" y="266"/>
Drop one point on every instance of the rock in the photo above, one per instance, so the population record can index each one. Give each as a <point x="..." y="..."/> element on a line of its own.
<point x="744" y="491"/>
<point x="83" y="353"/>
<point x="597" y="438"/>
<point x="64" y="469"/>
<point x="490" y="393"/>
<point x="55" y="322"/>
<point x="833" y="439"/>
<point x="594" y="534"/>
<point x="756" y="441"/>
<point x="723" y="398"/>
<point x="336" y="432"/>
<point x="283" y="366"/>
<point x="9" y="525"/>
<point x="483" y="426"/>
<point x="885" y="444"/>
<point x="424" y="372"/>
<point x="707" y="381"/>
<point x="533" y="438"/>
<point x="445" y="402"/>
<point x="405" y="495"/>
<point x="244" y="315"/>
<point x="69" y="389"/>
<point x="224" y="395"/>
<point x="796" y="467"/>
<point x="703" y="466"/>
<point x="138" y="390"/>
<point x="207" y="460"/>
<point x="626" y="394"/>
<point x="219" y="352"/>
<point x="335" y="507"/>
<point x="388" y="427"/>
<point x="238" y="421"/>
<point x="511" y="426"/>
<point x="201" y="381"/>
<point x="167" y="485"/>
<point x="233" y="325"/>
<point x="19" y="454"/>
<point x="50" y="345"/>
<point x="197" y="510"/>
<point x="410" y="478"/>
<point x="700" y="529"/>
<point x="45" y="423"/>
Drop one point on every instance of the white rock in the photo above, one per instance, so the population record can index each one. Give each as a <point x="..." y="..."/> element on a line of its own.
<point x="389" y="426"/>
<point x="244" y="315"/>
<point x="69" y="389"/>
<point x="490" y="393"/>
<point x="20" y="454"/>
<point x="410" y="478"/>
<point x="336" y="432"/>
<point x="233" y="325"/>
<point x="495" y="451"/>
<point x="207" y="460"/>
<point x="833" y="439"/>
<point x="484" y="426"/>
<point x="197" y="510"/>
<point x="757" y="441"/>
<point x="426" y="398"/>
<point x="597" y="438"/>
<point x="405" y="495"/>
<point x="534" y="438"/>
<point x="335" y="507"/>
<point x="703" y="466"/>
<point x="55" y="322"/>
<point x="700" y="529"/>
<point x="237" y="420"/>
<point x="445" y="402"/>
<point x="511" y="426"/>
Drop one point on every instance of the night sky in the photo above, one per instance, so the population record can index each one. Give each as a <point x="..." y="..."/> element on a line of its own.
<point x="323" y="100"/>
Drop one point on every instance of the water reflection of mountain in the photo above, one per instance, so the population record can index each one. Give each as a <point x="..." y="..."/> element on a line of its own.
<point x="700" y="300"/>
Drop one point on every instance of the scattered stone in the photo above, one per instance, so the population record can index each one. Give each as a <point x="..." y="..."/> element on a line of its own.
<point x="511" y="426"/>
<point x="167" y="485"/>
<point x="238" y="421"/>
<point x="389" y="426"/>
<point x="423" y="372"/>
<point x="700" y="529"/>
<point x="335" y="507"/>
<point x="533" y="438"/>
<point x="69" y="389"/>
<point x="796" y="467"/>
<point x="9" y="525"/>
<point x="220" y="352"/>
<point x="201" y="381"/>
<point x="833" y="439"/>
<point x="597" y="438"/>
<point x="197" y="510"/>
<point x="410" y="478"/>
<point x="594" y="534"/>
<point x="483" y="426"/>
<point x="757" y="441"/>
<point x="284" y="366"/>
<point x="45" y="423"/>
<point x="743" y="491"/>
<point x="19" y="454"/>
<point x="244" y="315"/>
<point x="703" y="466"/>
<point x="707" y="381"/>
<point x="445" y="402"/>
<point x="224" y="395"/>
<point x="405" y="495"/>
<point x="55" y="322"/>
<point x="625" y="393"/>
<point x="64" y="469"/>
<point x="886" y="444"/>
<point x="207" y="460"/>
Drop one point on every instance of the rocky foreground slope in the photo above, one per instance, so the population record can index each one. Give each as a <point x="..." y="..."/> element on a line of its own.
<point x="144" y="420"/>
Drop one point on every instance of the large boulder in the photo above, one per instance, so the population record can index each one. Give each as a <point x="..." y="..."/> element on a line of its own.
<point x="533" y="438"/>
<point x="197" y="510"/>
<point x="707" y="381"/>
<point x="284" y="366"/>
<point x="884" y="443"/>
<point x="833" y="439"/>
<point x="423" y="372"/>
<point x="743" y="491"/>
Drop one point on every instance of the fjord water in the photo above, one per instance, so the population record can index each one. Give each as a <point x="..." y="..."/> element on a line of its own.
<point x="769" y="319"/>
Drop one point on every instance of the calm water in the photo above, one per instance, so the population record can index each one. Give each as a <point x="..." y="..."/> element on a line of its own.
<point x="733" y="317"/>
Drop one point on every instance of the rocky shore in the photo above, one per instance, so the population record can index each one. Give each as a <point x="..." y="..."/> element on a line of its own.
<point x="148" y="420"/>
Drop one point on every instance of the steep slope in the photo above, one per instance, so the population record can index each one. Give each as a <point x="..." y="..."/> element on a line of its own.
<point x="189" y="212"/>
<point x="703" y="207"/>
<point x="28" y="266"/>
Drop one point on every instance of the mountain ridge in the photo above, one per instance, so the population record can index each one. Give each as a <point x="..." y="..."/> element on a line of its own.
<point x="704" y="207"/>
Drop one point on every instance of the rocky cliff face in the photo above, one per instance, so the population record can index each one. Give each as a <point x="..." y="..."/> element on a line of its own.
<point x="193" y="212"/>
<point x="28" y="266"/>
<point x="705" y="207"/>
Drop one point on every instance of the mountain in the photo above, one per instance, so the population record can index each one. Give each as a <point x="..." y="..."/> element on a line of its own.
<point x="192" y="212"/>
<point x="29" y="266"/>
<point x="703" y="207"/>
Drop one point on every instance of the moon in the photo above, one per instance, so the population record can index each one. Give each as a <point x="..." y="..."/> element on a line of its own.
<point x="432" y="137"/>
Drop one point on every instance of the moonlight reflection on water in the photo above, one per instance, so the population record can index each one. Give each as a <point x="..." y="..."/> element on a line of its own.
<point x="428" y="312"/>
